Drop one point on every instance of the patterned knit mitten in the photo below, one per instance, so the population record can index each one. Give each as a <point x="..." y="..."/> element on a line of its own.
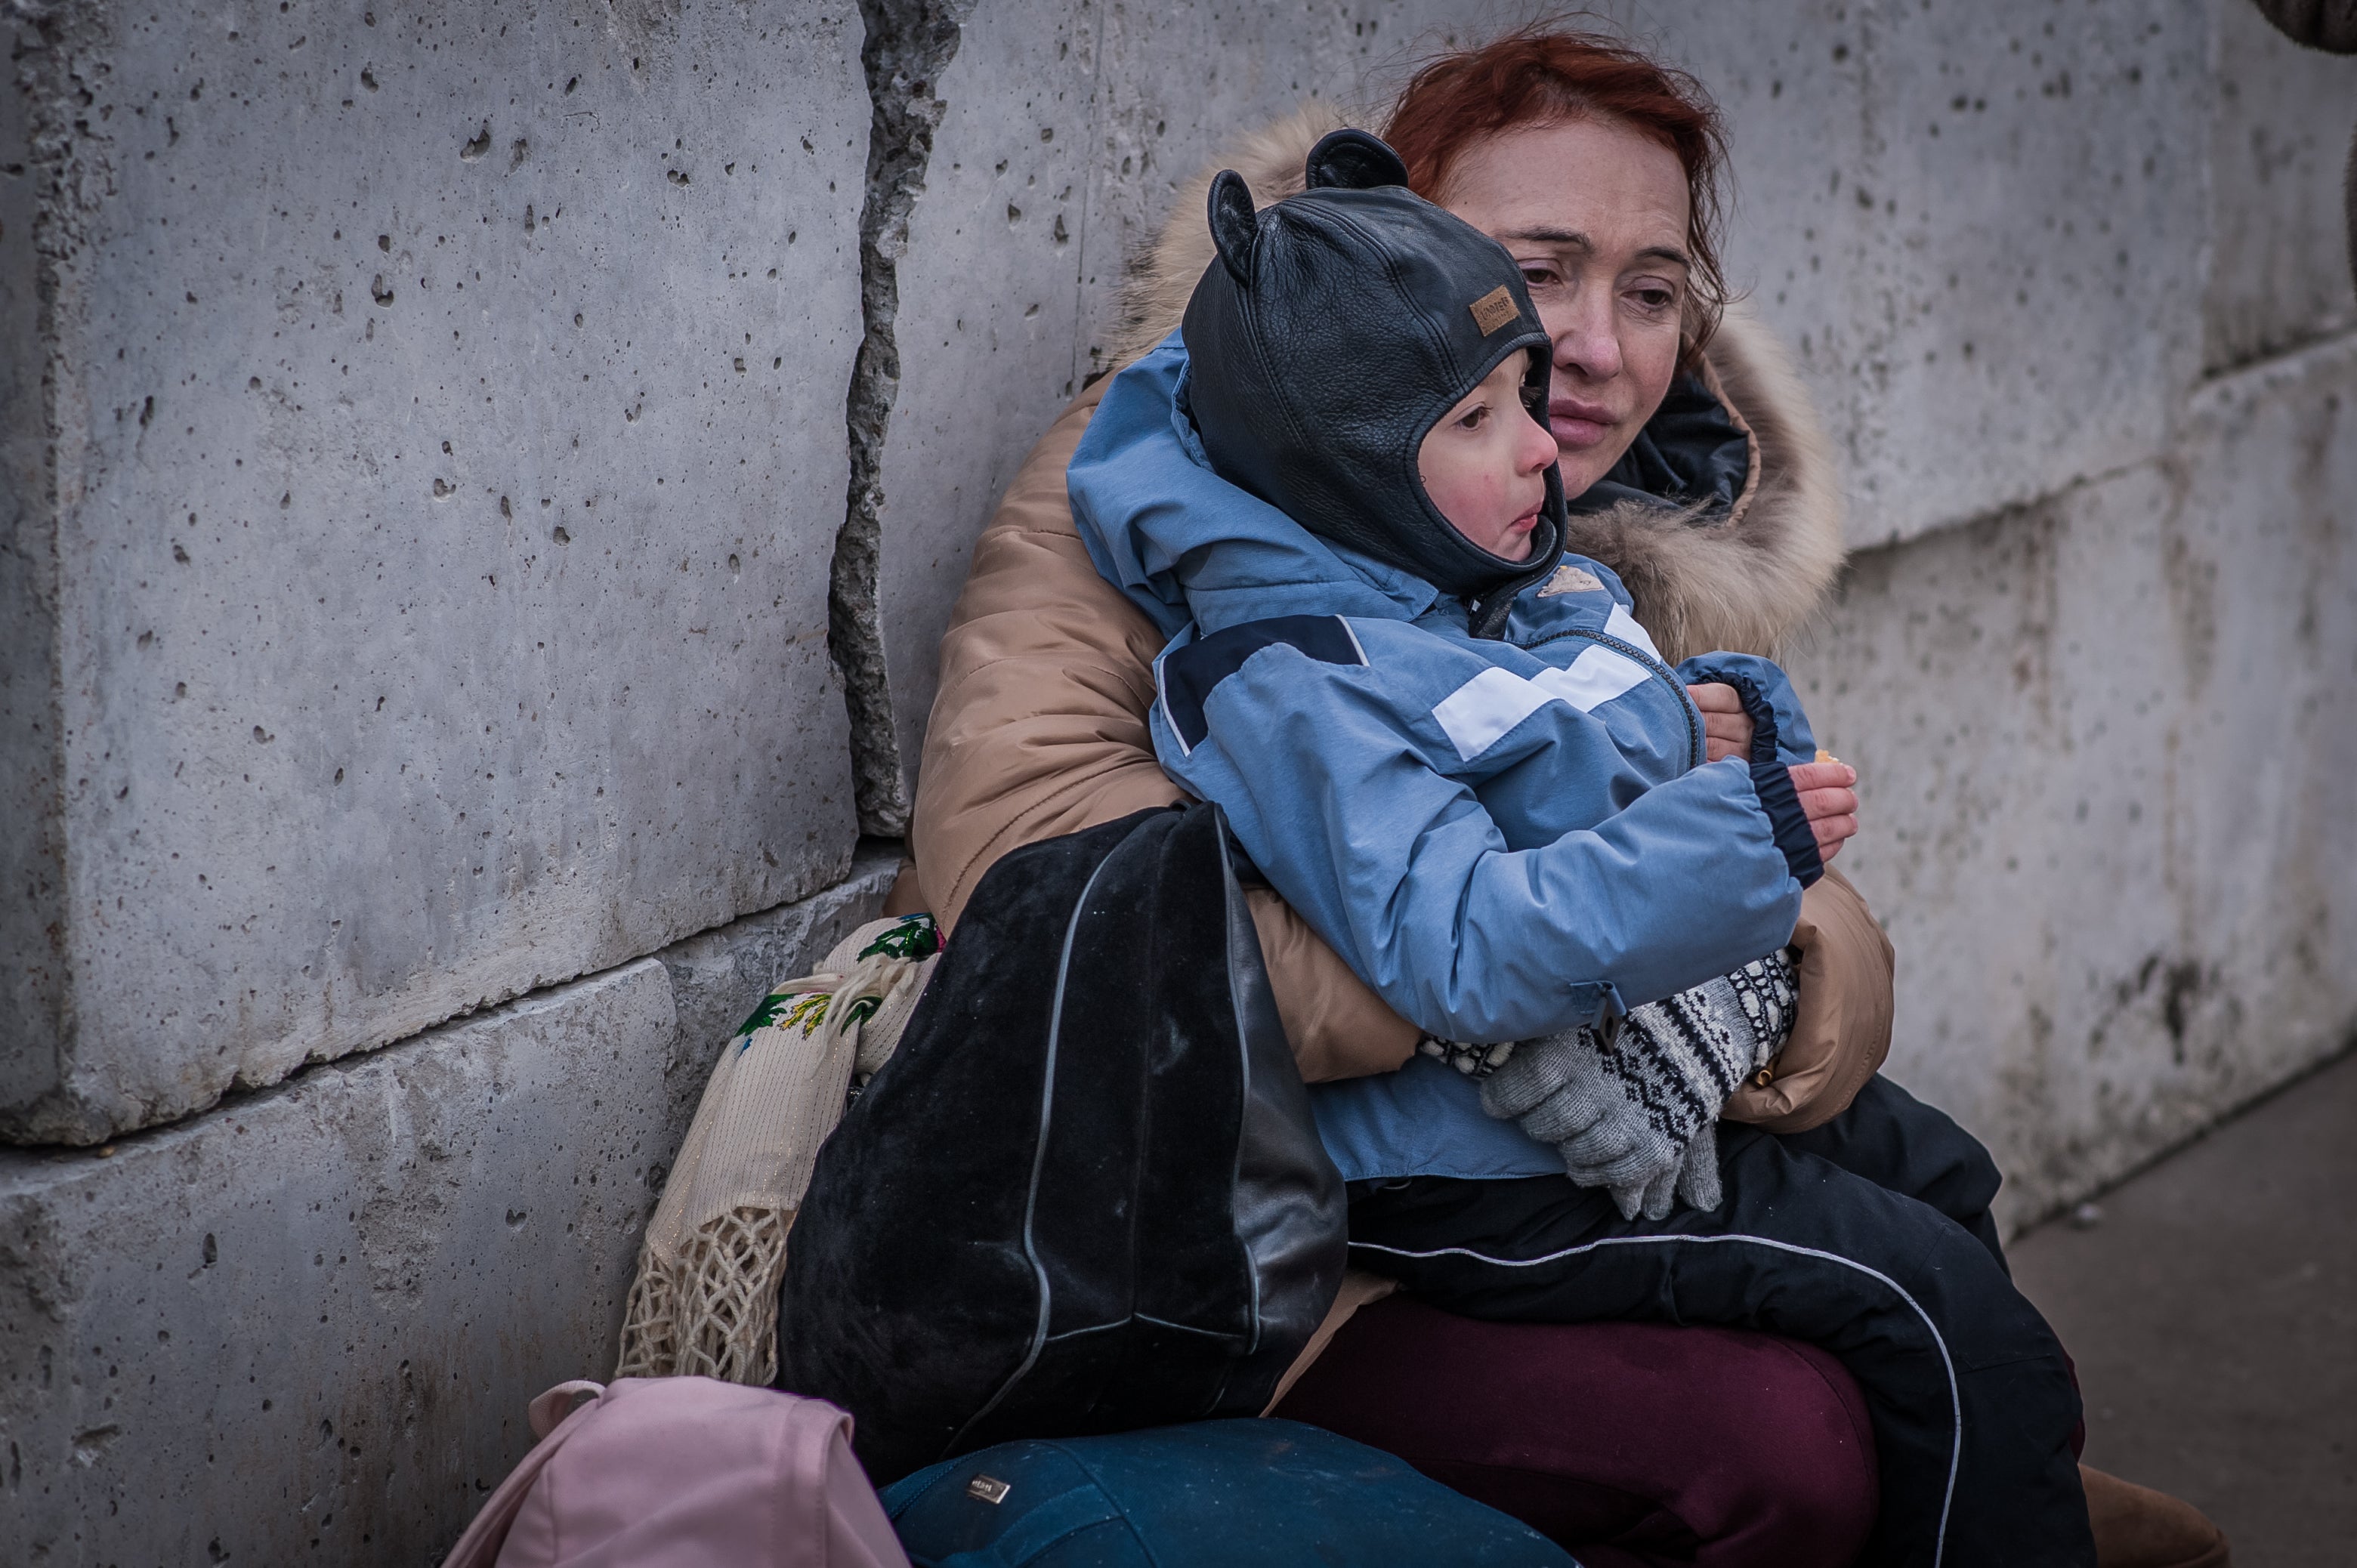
<point x="1628" y="1114"/>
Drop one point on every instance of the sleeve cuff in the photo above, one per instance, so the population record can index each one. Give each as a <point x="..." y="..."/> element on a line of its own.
<point x="1771" y="780"/>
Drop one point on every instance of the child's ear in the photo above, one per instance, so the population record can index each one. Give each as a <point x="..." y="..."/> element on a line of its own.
<point x="1233" y="224"/>
<point x="1352" y="160"/>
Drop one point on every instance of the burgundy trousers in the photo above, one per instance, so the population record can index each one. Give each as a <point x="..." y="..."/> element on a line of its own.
<point x="1632" y="1444"/>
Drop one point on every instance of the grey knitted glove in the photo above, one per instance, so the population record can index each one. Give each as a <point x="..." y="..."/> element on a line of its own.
<point x="1565" y="1092"/>
<point x="1635" y="1114"/>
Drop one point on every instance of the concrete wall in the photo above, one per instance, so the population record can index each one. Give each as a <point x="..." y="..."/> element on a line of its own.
<point x="442" y="450"/>
<point x="2111" y="831"/>
<point x="1969" y="221"/>
<point x="2279" y="246"/>
<point x="305" y="1325"/>
<point x="764" y="301"/>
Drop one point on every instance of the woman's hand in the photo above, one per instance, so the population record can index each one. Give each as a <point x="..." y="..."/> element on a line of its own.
<point x="1829" y="800"/>
<point x="1725" y="727"/>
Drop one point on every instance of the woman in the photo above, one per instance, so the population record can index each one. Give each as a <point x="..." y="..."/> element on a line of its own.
<point x="1704" y="481"/>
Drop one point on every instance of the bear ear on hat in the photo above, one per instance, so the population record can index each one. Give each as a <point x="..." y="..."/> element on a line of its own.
<point x="1352" y="160"/>
<point x="1234" y="225"/>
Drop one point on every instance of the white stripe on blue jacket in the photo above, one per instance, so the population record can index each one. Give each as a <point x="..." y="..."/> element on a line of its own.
<point x="1503" y="839"/>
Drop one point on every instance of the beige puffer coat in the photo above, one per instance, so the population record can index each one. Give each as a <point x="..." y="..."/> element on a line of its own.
<point x="1046" y="674"/>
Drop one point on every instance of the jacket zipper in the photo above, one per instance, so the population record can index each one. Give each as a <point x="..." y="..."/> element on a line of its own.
<point x="1658" y="671"/>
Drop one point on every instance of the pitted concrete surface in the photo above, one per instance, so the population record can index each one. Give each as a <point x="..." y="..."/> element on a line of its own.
<point x="1968" y="220"/>
<point x="303" y="1326"/>
<point x="2278" y="271"/>
<point x="2211" y="1310"/>
<point x="442" y="416"/>
<point x="2107" y="821"/>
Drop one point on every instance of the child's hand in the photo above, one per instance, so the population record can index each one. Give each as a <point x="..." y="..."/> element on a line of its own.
<point x="1725" y="727"/>
<point x="1829" y="800"/>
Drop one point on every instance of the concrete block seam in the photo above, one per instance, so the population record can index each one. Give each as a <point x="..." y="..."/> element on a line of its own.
<point x="22" y="1166"/>
<point x="2095" y="1185"/>
<point x="2233" y="386"/>
<point x="2214" y="398"/>
<point x="67" y="167"/>
<point x="908" y="44"/>
<point x="871" y="877"/>
<point x="399" y="1250"/>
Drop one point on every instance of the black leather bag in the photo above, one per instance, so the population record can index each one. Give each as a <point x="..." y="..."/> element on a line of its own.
<point x="1085" y="1195"/>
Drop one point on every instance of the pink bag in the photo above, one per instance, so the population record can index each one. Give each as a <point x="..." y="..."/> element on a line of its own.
<point x="683" y="1473"/>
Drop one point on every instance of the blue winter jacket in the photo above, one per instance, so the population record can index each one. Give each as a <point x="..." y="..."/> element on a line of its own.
<point x="1504" y="838"/>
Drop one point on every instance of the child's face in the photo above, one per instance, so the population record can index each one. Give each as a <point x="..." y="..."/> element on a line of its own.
<point x="1485" y="464"/>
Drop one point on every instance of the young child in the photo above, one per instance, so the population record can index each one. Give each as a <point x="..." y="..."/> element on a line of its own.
<point x="1461" y="758"/>
<point x="1450" y="777"/>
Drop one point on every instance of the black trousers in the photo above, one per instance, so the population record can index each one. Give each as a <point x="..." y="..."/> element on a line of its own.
<point x="1869" y="1236"/>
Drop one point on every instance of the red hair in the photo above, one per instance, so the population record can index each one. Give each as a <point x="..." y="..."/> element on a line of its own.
<point x="1544" y="74"/>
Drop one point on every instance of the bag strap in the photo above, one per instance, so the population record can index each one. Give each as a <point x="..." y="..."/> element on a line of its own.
<point x="548" y="1410"/>
<point x="479" y="1547"/>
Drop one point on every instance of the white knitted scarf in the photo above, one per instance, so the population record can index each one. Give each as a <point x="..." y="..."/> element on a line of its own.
<point x="704" y="1301"/>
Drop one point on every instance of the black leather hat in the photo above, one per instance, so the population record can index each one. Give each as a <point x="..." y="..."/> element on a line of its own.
<point x="1334" y="331"/>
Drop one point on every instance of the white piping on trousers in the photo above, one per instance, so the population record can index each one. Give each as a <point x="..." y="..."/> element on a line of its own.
<point x="1956" y="1401"/>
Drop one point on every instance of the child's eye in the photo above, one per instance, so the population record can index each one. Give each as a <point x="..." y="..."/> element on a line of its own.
<point x="1472" y="420"/>
<point x="1538" y="277"/>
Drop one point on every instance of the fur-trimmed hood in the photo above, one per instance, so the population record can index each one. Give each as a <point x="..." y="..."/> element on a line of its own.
<point x="1742" y="577"/>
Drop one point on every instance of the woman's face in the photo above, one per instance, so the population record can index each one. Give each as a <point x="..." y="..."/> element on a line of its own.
<point x="1594" y="214"/>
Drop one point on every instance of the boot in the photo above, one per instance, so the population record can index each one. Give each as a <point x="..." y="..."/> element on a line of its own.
<point x="2137" y="1527"/>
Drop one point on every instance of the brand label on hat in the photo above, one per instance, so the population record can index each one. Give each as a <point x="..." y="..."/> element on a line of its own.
<point x="1494" y="309"/>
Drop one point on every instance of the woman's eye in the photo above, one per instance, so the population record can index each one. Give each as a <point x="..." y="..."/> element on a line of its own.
<point x="1538" y="277"/>
<point x="1653" y="297"/>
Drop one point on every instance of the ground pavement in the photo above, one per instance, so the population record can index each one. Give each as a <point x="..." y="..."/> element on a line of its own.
<point x="2213" y="1313"/>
